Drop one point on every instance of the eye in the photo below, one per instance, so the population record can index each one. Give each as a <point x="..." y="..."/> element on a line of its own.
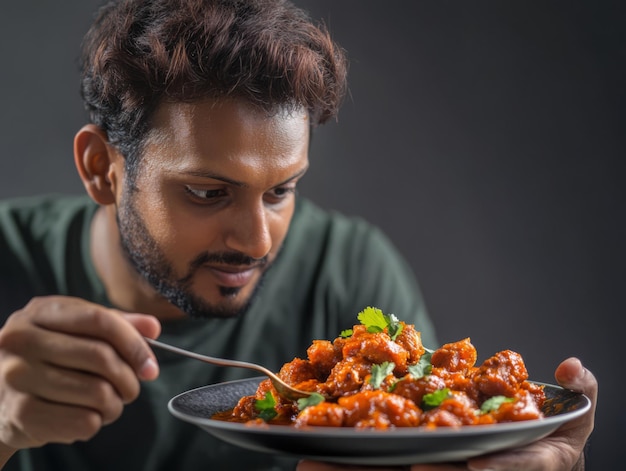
<point x="204" y="194"/>
<point x="284" y="190"/>
<point x="280" y="193"/>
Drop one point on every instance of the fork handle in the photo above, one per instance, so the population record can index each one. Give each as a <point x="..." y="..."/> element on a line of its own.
<point x="207" y="358"/>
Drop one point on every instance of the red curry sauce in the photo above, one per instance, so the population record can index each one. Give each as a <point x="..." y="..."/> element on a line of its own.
<point x="341" y="370"/>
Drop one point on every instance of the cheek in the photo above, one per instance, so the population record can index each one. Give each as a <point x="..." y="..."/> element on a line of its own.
<point x="171" y="230"/>
<point x="180" y="233"/>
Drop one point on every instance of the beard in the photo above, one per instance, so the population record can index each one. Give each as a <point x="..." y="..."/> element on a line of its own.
<point x="144" y="254"/>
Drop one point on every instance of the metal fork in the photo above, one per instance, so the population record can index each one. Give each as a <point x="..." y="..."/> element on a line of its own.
<point x="283" y="389"/>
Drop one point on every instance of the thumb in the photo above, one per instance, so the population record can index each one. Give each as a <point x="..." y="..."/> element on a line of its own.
<point x="571" y="374"/>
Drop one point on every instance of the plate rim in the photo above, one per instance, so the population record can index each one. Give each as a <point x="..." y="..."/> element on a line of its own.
<point x="324" y="431"/>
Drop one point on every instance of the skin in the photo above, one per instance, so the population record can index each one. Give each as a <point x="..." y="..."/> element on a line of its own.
<point x="217" y="179"/>
<point x="216" y="184"/>
<point x="561" y="451"/>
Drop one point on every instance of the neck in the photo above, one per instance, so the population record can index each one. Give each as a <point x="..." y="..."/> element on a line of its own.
<point x="124" y="287"/>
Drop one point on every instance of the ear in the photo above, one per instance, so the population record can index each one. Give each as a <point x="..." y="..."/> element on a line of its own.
<point x="98" y="164"/>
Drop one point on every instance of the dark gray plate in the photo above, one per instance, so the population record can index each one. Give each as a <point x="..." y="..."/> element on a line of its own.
<point x="399" y="446"/>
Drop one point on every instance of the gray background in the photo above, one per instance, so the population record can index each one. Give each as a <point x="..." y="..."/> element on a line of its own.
<point x="486" y="138"/>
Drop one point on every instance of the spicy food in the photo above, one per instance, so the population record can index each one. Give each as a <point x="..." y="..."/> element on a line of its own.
<point x="378" y="375"/>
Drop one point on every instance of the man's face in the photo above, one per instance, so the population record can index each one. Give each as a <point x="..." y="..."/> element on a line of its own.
<point x="213" y="201"/>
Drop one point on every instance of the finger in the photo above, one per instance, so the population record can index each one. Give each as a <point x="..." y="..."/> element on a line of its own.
<point x="41" y="422"/>
<point x="571" y="374"/>
<point x="148" y="326"/>
<point x="306" y="465"/>
<point x="561" y="449"/>
<point x="47" y="349"/>
<point x="77" y="317"/>
<point x="62" y="386"/>
<point x="537" y="457"/>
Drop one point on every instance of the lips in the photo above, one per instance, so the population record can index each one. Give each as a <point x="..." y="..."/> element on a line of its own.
<point x="232" y="277"/>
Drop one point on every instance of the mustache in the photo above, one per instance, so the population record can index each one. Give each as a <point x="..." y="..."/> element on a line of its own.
<point x="227" y="258"/>
<point x="224" y="258"/>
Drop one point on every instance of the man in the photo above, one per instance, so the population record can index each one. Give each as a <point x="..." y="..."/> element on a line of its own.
<point x="201" y="114"/>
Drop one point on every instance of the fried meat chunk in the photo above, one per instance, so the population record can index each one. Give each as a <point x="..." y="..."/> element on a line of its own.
<point x="379" y="409"/>
<point x="375" y="348"/>
<point x="457" y="356"/>
<point x="502" y="374"/>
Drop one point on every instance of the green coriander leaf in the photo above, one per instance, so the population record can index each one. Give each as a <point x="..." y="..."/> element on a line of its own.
<point x="394" y="327"/>
<point x="494" y="403"/>
<point x="372" y="318"/>
<point x="267" y="414"/>
<point x="375" y="321"/>
<point x="380" y="372"/>
<point x="434" y="399"/>
<point x="267" y="403"/>
<point x="346" y="333"/>
<point x="393" y="387"/>
<point x="266" y="407"/>
<point x="313" y="400"/>
<point x="422" y="368"/>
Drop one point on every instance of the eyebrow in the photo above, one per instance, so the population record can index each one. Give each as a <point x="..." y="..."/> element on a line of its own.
<point x="215" y="176"/>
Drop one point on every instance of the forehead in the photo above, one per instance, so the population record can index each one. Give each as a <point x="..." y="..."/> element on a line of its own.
<point x="224" y="130"/>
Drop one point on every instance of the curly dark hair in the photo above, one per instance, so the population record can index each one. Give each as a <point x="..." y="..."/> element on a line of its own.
<point x="140" y="53"/>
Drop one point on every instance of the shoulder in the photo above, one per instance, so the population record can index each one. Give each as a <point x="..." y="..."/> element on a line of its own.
<point x="39" y="238"/>
<point x="341" y="264"/>
<point x="335" y="231"/>
<point x="44" y="219"/>
<point x="40" y="208"/>
<point x="340" y="241"/>
<point x="43" y="216"/>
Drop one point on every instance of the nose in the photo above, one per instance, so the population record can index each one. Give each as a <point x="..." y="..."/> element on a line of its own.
<point x="249" y="231"/>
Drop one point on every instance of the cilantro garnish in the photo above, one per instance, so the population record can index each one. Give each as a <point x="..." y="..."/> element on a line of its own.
<point x="266" y="407"/>
<point x="434" y="399"/>
<point x="394" y="327"/>
<point x="375" y="321"/>
<point x="380" y="372"/>
<point x="422" y="368"/>
<point x="346" y="333"/>
<point x="494" y="403"/>
<point x="372" y="318"/>
<point x="393" y="387"/>
<point x="313" y="400"/>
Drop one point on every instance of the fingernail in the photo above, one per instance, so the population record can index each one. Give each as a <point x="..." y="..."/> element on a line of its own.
<point x="580" y="370"/>
<point x="149" y="370"/>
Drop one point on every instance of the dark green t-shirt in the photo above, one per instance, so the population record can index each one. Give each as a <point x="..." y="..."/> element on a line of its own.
<point x="330" y="268"/>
